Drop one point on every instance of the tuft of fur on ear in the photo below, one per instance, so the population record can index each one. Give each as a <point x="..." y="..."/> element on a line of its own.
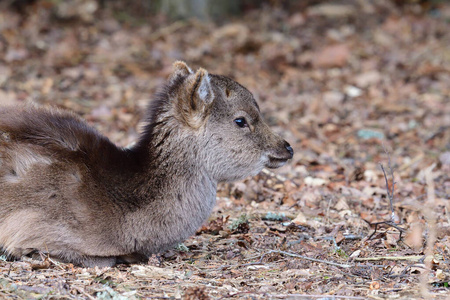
<point x="196" y="99"/>
<point x="180" y="68"/>
<point x="202" y="93"/>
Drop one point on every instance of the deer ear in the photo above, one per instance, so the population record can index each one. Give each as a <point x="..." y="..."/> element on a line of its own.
<point x="180" y="68"/>
<point x="195" y="104"/>
<point x="202" y="93"/>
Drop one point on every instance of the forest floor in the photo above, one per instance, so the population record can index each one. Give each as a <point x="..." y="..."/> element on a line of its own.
<point x="351" y="87"/>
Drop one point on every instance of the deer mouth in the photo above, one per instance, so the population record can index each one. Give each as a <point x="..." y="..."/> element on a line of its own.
<point x="276" y="162"/>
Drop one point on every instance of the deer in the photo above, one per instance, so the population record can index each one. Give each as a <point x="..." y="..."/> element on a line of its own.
<point x="66" y="190"/>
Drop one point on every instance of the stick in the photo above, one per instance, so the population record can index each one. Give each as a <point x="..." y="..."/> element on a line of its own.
<point x="389" y="223"/>
<point x="431" y="225"/>
<point x="308" y="258"/>
<point x="292" y="296"/>
<point x="390" y="193"/>
<point x="288" y="254"/>
<point x="306" y="296"/>
<point x="410" y="258"/>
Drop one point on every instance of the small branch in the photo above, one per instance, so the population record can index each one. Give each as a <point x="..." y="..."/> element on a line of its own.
<point x="409" y="258"/>
<point x="389" y="223"/>
<point x="405" y="270"/>
<point x="307" y="258"/>
<point x="430" y="218"/>
<point x="308" y="296"/>
<point x="81" y="291"/>
<point x="390" y="194"/>
<point x="260" y="262"/>
<point x="291" y="296"/>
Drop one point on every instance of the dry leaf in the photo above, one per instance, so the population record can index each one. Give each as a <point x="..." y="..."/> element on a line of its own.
<point x="300" y="219"/>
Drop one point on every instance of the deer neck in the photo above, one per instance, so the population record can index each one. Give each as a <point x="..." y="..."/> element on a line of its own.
<point x="176" y="193"/>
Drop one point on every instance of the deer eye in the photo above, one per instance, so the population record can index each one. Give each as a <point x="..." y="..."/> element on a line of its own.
<point x="241" y="122"/>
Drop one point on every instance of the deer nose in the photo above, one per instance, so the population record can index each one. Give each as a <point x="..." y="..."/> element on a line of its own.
<point x="289" y="148"/>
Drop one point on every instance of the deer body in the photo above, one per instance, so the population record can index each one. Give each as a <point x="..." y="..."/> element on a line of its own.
<point x="67" y="190"/>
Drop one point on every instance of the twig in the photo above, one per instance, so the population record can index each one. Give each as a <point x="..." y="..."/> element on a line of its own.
<point x="307" y="258"/>
<point x="410" y="258"/>
<point x="389" y="223"/>
<point x="438" y="132"/>
<point x="46" y="256"/>
<point x="295" y="296"/>
<point x="9" y="270"/>
<point x="390" y="193"/>
<point x="221" y="268"/>
<point x="298" y="256"/>
<point x="403" y="273"/>
<point x="431" y="224"/>
<point x="80" y="290"/>
<point x="333" y="239"/>
<point x="292" y="296"/>
<point x="229" y="295"/>
<point x="353" y="237"/>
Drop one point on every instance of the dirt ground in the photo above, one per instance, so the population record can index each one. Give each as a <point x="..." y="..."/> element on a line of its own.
<point x="351" y="86"/>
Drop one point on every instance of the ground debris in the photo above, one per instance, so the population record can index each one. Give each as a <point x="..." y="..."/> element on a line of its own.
<point x="340" y="82"/>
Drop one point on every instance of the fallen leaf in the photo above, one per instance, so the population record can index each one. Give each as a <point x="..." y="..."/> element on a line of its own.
<point x="332" y="56"/>
<point x="300" y="219"/>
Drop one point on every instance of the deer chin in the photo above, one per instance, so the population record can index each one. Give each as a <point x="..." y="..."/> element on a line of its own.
<point x="275" y="162"/>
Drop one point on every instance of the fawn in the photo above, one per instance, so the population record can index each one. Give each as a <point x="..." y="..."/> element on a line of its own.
<point x="68" y="191"/>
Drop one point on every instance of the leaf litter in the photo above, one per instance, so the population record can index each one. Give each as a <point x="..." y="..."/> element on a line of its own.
<point x="340" y="82"/>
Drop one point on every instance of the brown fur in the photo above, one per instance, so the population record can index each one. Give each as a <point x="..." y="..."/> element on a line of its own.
<point x="67" y="190"/>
